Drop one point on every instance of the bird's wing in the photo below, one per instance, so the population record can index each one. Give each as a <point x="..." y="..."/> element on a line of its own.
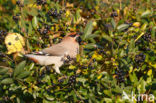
<point x="55" y="50"/>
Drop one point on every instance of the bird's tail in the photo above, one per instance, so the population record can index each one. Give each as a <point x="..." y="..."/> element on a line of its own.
<point x="45" y="60"/>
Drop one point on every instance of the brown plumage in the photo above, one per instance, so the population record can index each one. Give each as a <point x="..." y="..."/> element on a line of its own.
<point x="57" y="53"/>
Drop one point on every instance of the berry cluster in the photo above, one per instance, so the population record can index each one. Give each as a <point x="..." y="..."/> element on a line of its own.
<point x="130" y="24"/>
<point x="16" y="17"/>
<point x="68" y="59"/>
<point x="41" y="2"/>
<point x="62" y="79"/>
<point x="72" y="80"/>
<point x="146" y="37"/>
<point x="114" y="14"/>
<point x="90" y="66"/>
<point x="2" y="54"/>
<point x="48" y="69"/>
<point x="19" y="3"/>
<point x="140" y="58"/>
<point x="101" y="51"/>
<point x="44" y="30"/>
<point x="138" y="42"/>
<point x="120" y="76"/>
<point x="55" y="13"/>
<point x="2" y="32"/>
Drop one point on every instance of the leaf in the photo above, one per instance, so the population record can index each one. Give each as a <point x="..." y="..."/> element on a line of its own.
<point x="7" y="81"/>
<point x="107" y="37"/>
<point x="122" y="27"/>
<point x="88" y="30"/>
<point x="19" y="68"/>
<point x="143" y="86"/>
<point x="107" y="92"/>
<point x="139" y="36"/>
<point x="23" y="74"/>
<point x="83" y="80"/>
<point x="146" y="14"/>
<point x="149" y="73"/>
<point x="90" y="46"/>
<point x="34" y="22"/>
<point x="72" y="67"/>
<point x="30" y="28"/>
<point x="91" y="36"/>
<point x="133" y="78"/>
<point x="3" y="70"/>
<point x="113" y="23"/>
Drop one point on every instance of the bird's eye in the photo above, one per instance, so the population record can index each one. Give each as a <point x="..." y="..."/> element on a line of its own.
<point x="72" y="35"/>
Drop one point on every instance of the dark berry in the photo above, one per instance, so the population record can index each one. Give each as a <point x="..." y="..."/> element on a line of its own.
<point x="138" y="42"/>
<point x="60" y="80"/>
<point x="19" y="3"/>
<point x="48" y="69"/>
<point x="45" y="31"/>
<point x="94" y="60"/>
<point x="91" y="67"/>
<point x="72" y="80"/>
<point x="41" y="2"/>
<point x="84" y="67"/>
<point x="61" y="12"/>
<point x="146" y="37"/>
<point x="2" y="54"/>
<point x="47" y="27"/>
<point x="39" y="30"/>
<point x="55" y="13"/>
<point x="140" y="58"/>
<point x="130" y="24"/>
<point x="15" y="18"/>
<point x="114" y="14"/>
<point x="120" y="76"/>
<point x="2" y="33"/>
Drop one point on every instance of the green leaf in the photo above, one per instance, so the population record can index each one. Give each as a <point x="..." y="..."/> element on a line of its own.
<point x="153" y="33"/>
<point x="7" y="81"/>
<point x="90" y="46"/>
<point x="34" y="22"/>
<point x="3" y="70"/>
<point x="107" y="92"/>
<point x="146" y="14"/>
<point x="143" y="86"/>
<point x="107" y="37"/>
<point x="122" y="27"/>
<point x="88" y="30"/>
<point x="91" y="36"/>
<point x="83" y="80"/>
<point x="19" y="68"/>
<point x="30" y="29"/>
<point x="23" y="74"/>
<point x="133" y="78"/>
<point x="113" y="23"/>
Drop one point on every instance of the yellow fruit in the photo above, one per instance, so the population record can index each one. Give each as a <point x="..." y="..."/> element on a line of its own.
<point x="67" y="13"/>
<point x="14" y="43"/>
<point x="136" y="24"/>
<point x="94" y="24"/>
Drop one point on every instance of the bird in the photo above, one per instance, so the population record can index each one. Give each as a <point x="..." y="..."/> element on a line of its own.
<point x="57" y="54"/>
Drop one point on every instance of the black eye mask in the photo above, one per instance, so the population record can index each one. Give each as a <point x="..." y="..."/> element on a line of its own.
<point x="79" y="40"/>
<point x="72" y="35"/>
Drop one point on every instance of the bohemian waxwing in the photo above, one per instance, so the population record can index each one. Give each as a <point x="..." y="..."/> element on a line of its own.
<point x="57" y="53"/>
